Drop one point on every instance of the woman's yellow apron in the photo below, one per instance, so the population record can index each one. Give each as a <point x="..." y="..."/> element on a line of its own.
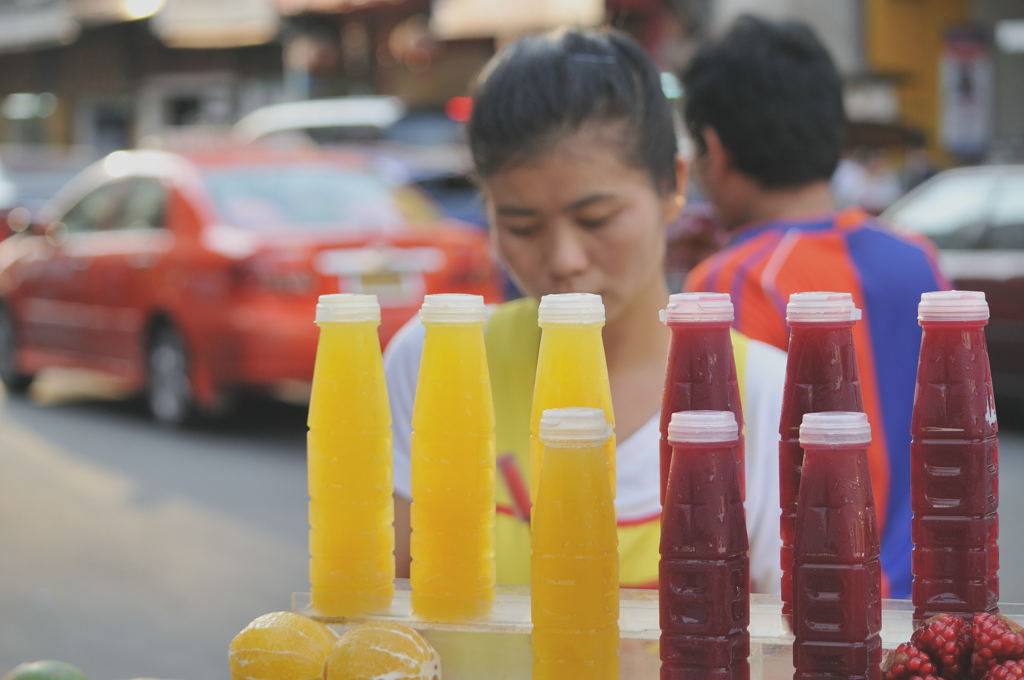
<point x="513" y="340"/>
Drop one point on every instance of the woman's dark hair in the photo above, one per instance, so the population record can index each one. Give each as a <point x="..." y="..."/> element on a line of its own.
<point x="772" y="94"/>
<point x="541" y="88"/>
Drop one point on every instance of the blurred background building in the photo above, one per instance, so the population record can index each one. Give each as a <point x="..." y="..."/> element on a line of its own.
<point x="106" y="74"/>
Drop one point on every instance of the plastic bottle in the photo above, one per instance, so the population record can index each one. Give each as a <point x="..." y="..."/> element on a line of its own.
<point x="701" y="371"/>
<point x="575" y="561"/>
<point x="954" y="457"/>
<point x="821" y="375"/>
<point x="837" y="576"/>
<point x="351" y="538"/>
<point x="453" y="465"/>
<point x="704" y="573"/>
<point x="571" y="369"/>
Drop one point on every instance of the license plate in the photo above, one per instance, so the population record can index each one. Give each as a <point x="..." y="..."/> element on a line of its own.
<point x="388" y="286"/>
<point x="382" y="280"/>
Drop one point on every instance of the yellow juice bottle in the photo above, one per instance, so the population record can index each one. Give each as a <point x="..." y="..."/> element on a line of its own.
<point x="351" y="537"/>
<point x="453" y="465"/>
<point x="571" y="369"/>
<point x="575" y="561"/>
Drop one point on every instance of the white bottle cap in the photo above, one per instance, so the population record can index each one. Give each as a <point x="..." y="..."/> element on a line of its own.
<point x="574" y="426"/>
<point x="453" y="308"/>
<point x="953" y="305"/>
<point x="696" y="307"/>
<point x="570" y="308"/>
<point x="821" y="307"/>
<point x="347" y="308"/>
<point x="835" y="428"/>
<point x="702" y="427"/>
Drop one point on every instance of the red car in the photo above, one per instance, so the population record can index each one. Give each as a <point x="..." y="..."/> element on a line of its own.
<point x="190" y="276"/>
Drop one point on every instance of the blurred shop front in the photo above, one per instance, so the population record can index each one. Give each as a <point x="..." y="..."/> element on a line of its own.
<point x="960" y="69"/>
<point x="110" y="73"/>
<point x="344" y="47"/>
<point x="117" y="71"/>
<point x="428" y="51"/>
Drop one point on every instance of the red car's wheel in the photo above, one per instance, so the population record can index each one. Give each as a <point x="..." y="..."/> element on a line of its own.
<point x="169" y="391"/>
<point x="13" y="379"/>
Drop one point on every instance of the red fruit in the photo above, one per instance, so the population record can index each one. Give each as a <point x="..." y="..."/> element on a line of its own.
<point x="907" y="662"/>
<point x="946" y="638"/>
<point x="996" y="639"/>
<point x="1008" y="670"/>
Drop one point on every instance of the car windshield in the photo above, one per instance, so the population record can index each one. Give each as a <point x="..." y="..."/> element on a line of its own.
<point x="313" y="197"/>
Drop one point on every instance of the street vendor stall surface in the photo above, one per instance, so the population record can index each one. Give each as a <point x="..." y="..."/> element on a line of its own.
<point x="498" y="647"/>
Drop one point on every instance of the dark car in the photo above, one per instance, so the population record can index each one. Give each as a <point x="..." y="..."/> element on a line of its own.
<point x="975" y="216"/>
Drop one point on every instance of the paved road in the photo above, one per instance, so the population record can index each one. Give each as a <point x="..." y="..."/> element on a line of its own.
<point x="135" y="551"/>
<point x="130" y="550"/>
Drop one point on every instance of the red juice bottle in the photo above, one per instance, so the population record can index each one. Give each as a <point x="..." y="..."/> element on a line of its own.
<point x="821" y="375"/>
<point x="704" y="572"/>
<point x="701" y="371"/>
<point x="954" y="460"/>
<point x="837" y="577"/>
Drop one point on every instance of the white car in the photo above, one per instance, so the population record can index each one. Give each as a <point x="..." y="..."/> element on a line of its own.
<point x="322" y="121"/>
<point x="424" y="147"/>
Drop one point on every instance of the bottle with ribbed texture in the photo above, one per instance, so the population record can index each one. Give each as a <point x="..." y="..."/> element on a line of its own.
<point x="574" y="560"/>
<point x="571" y="369"/>
<point x="821" y="375"/>
<point x="701" y="370"/>
<point x="704" y="573"/>
<point x="954" y="458"/>
<point x="453" y="465"/>
<point x="837" y="577"/>
<point x="351" y="538"/>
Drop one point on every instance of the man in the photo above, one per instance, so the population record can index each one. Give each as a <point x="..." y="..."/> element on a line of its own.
<point x="764" y="106"/>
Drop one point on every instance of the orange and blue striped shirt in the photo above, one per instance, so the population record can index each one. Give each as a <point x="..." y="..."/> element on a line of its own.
<point x="845" y="251"/>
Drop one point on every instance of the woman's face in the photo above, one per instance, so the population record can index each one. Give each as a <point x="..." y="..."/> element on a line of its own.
<point x="576" y="218"/>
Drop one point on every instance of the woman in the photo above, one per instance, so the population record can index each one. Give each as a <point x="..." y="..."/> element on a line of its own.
<point x="574" y="147"/>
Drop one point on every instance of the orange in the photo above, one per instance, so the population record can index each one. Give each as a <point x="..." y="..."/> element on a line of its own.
<point x="382" y="651"/>
<point x="280" y="646"/>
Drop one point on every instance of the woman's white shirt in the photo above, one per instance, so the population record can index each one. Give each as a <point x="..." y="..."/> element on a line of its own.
<point x="637" y="456"/>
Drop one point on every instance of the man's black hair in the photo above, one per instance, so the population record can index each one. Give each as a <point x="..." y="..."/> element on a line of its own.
<point x="541" y="88"/>
<point x="774" y="97"/>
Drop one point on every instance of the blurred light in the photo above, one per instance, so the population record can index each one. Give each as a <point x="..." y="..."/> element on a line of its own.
<point x="204" y="24"/>
<point x="46" y="104"/>
<point x="459" y="109"/>
<point x="411" y="44"/>
<point x="117" y="164"/>
<point x="872" y="101"/>
<point x="26" y="105"/>
<point x="461" y="19"/>
<point x="19" y="219"/>
<point x="140" y="9"/>
<point x="1010" y="35"/>
<point x="671" y="86"/>
<point x="20" y="106"/>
